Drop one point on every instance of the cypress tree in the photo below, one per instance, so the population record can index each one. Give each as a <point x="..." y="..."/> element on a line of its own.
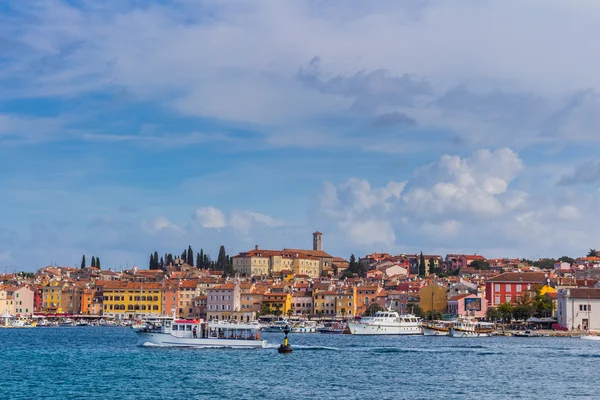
<point x="222" y="259"/>
<point x="83" y="262"/>
<point x="93" y="261"/>
<point x="98" y="263"/>
<point x="162" y="263"/>
<point x="151" y="263"/>
<point x="190" y="256"/>
<point x="422" y="265"/>
<point x="201" y="259"/>
<point x="198" y="260"/>
<point x="156" y="263"/>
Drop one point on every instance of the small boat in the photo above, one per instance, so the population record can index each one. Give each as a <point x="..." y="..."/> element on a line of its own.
<point x="437" y="328"/>
<point x="277" y="326"/>
<point x="387" y="323"/>
<point x="469" y="328"/>
<point x="67" y="322"/>
<point x="199" y="333"/>
<point x="590" y="337"/>
<point x="526" y="334"/>
<point x="304" y="327"/>
<point x="335" y="328"/>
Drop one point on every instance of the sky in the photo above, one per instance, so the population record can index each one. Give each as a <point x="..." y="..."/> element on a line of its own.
<point x="131" y="126"/>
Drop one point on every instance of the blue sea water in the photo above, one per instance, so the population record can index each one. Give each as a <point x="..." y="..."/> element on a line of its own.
<point x="103" y="363"/>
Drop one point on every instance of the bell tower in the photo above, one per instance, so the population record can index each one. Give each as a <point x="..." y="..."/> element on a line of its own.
<point x="317" y="241"/>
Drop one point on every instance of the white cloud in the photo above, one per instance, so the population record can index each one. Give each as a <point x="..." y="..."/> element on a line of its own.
<point x="161" y="224"/>
<point x="211" y="217"/>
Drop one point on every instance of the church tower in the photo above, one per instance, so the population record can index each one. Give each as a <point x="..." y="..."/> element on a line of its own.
<point x="317" y="241"/>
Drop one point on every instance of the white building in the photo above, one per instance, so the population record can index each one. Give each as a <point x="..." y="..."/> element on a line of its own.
<point x="579" y="308"/>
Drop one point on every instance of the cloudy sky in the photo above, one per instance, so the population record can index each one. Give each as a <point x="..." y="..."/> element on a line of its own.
<point x="130" y="126"/>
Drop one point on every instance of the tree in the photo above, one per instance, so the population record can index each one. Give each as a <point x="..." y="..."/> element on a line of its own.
<point x="480" y="264"/>
<point x="523" y="312"/>
<point x="347" y="274"/>
<point x="416" y="310"/>
<point x="545" y="263"/>
<point x="352" y="266"/>
<point x="422" y="265"/>
<point x="190" y="256"/>
<point x="162" y="263"/>
<point x="432" y="268"/>
<point x="222" y="259"/>
<point x="566" y="259"/>
<point x="372" y="309"/>
<point x="98" y="263"/>
<point x="506" y="311"/>
<point x="289" y="313"/>
<point x="151" y="262"/>
<point x="83" y="262"/>
<point x="93" y="261"/>
<point x="492" y="314"/>
<point x="593" y="253"/>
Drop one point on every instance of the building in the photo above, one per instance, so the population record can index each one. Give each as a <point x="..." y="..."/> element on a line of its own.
<point x="579" y="308"/>
<point x="277" y="303"/>
<point x="433" y="297"/>
<point x="223" y="302"/>
<point x="187" y="291"/>
<point x="509" y="286"/>
<point x="467" y="305"/>
<point x="127" y="300"/>
<point x="52" y="297"/>
<point x="23" y="297"/>
<point x="7" y="304"/>
<point x="324" y="303"/>
<point x="302" y="303"/>
<point x="344" y="305"/>
<point x="260" y="262"/>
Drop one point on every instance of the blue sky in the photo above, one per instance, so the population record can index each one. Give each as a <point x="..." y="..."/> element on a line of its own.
<point x="129" y="126"/>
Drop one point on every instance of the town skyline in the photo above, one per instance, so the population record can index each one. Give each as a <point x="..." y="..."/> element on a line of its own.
<point x="395" y="126"/>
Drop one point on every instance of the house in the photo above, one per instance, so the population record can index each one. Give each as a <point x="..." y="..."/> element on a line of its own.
<point x="126" y="300"/>
<point x="23" y="301"/>
<point x="433" y="297"/>
<point x="579" y="308"/>
<point x="223" y="302"/>
<point x="509" y="286"/>
<point x="467" y="305"/>
<point x="324" y="303"/>
<point x="302" y="303"/>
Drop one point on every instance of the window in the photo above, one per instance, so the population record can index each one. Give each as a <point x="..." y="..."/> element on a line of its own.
<point x="497" y="300"/>
<point x="497" y="287"/>
<point x="508" y="288"/>
<point x="508" y="299"/>
<point x="518" y="288"/>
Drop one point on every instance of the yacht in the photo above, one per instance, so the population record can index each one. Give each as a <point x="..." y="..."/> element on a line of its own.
<point x="387" y="323"/>
<point x="305" y="327"/>
<point x="471" y="328"/>
<point x="437" y="328"/>
<point x="276" y="326"/>
<point x="170" y="332"/>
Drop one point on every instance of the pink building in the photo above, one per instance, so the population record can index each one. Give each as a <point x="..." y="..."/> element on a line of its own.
<point x="23" y="298"/>
<point x="465" y="305"/>
<point x="223" y="301"/>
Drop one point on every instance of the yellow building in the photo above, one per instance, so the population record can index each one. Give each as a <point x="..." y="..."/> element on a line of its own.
<point x="126" y="300"/>
<point x="52" y="297"/>
<point x="278" y="303"/>
<point x="433" y="296"/>
<point x="324" y="303"/>
<point x="344" y="304"/>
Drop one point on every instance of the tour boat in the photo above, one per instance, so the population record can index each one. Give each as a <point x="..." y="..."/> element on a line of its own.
<point x="470" y="328"/>
<point x="387" y="323"/>
<point x="166" y="331"/>
<point x="437" y="328"/>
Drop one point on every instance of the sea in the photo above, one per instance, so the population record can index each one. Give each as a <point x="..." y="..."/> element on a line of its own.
<point x="106" y="363"/>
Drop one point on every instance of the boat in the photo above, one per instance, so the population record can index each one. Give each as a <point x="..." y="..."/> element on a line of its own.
<point x="387" y="323"/>
<point x="470" y="328"/>
<point x="335" y="328"/>
<point x="589" y="337"/>
<point x="199" y="333"/>
<point x="437" y="328"/>
<point x="304" y="327"/>
<point x="526" y="334"/>
<point x="67" y="322"/>
<point x="277" y="326"/>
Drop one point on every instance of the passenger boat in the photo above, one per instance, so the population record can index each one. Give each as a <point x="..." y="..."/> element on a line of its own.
<point x="437" y="328"/>
<point x="166" y="331"/>
<point x="471" y="328"/>
<point x="387" y="323"/>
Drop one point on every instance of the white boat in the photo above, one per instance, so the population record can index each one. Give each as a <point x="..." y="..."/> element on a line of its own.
<point x="470" y="328"/>
<point x="590" y="337"/>
<point x="198" y="333"/>
<point x="276" y="326"/>
<point x="437" y="328"/>
<point x="305" y="327"/>
<point x="387" y="323"/>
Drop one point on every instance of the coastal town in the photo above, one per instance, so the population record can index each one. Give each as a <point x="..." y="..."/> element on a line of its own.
<point x="305" y="284"/>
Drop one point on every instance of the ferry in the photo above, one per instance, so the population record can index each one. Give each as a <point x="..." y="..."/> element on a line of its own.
<point x="437" y="328"/>
<point x="387" y="323"/>
<point x="170" y="332"/>
<point x="470" y="328"/>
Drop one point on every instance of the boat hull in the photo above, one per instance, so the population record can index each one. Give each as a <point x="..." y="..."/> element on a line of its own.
<point x="435" y="332"/>
<point x="168" y="340"/>
<point x="460" y="334"/>
<point x="368" y="329"/>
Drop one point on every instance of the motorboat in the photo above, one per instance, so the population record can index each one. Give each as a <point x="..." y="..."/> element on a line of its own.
<point x="437" y="328"/>
<point x="304" y="327"/>
<point x="387" y="323"/>
<point x="526" y="334"/>
<point x="277" y="326"/>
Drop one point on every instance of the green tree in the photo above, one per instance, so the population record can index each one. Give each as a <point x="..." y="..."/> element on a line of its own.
<point x="190" y="256"/>
<point x="222" y="259"/>
<point x="566" y="259"/>
<point x="372" y="309"/>
<point x="347" y="274"/>
<point x="200" y="261"/>
<point x="480" y="264"/>
<point x="289" y="313"/>
<point x="83" y="261"/>
<point x="523" y="311"/>
<point x="545" y="263"/>
<point x="162" y="263"/>
<point x="506" y="311"/>
<point x="593" y="253"/>
<point x="93" y="262"/>
<point x="352" y="265"/>
<point x="432" y="268"/>
<point x="417" y="310"/>
<point x="492" y="314"/>
<point x="422" y="265"/>
<point x="98" y="263"/>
